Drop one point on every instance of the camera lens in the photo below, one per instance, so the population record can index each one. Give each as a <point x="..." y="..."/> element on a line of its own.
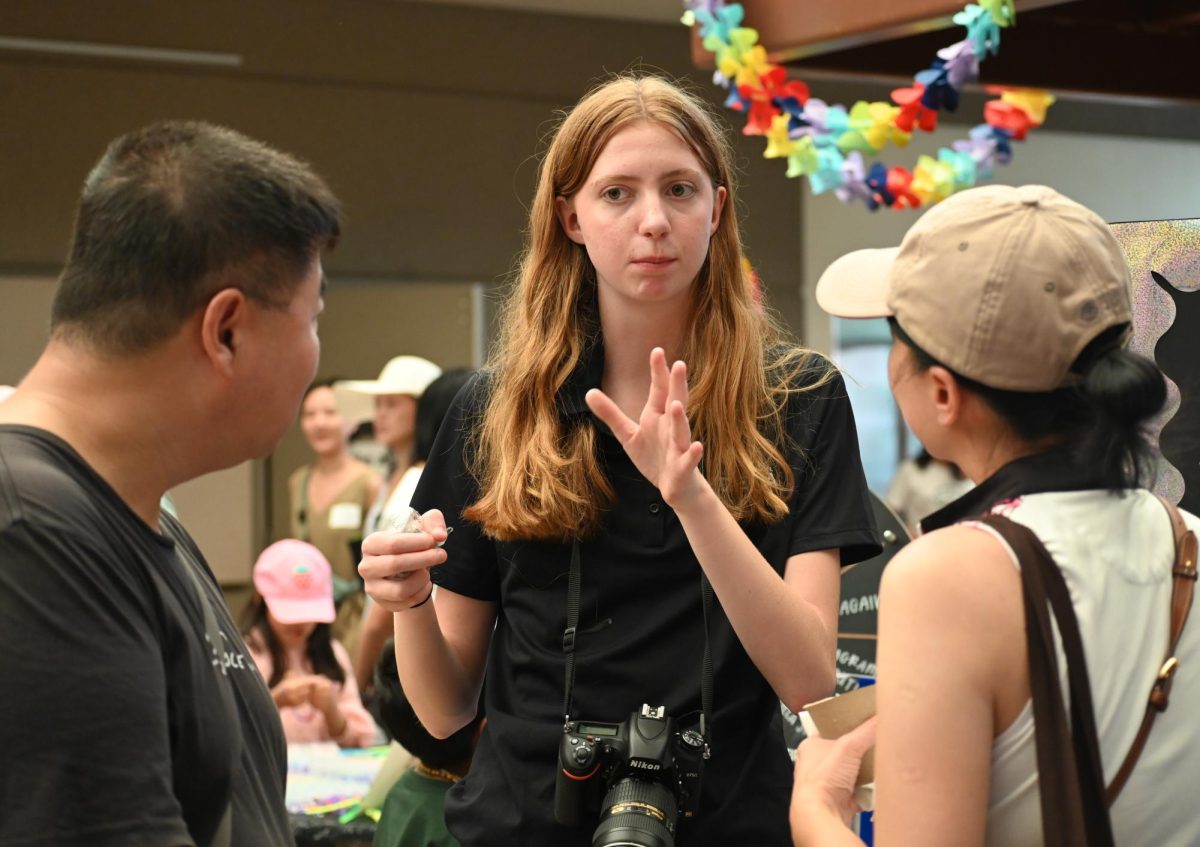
<point x="636" y="813"/>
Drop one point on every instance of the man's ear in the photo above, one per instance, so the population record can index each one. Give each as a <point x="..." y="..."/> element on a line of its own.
<point x="221" y="325"/>
<point x="565" y="208"/>
<point x="947" y="395"/>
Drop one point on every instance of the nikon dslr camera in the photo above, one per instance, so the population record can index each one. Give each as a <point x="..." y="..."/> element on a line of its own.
<point x="646" y="771"/>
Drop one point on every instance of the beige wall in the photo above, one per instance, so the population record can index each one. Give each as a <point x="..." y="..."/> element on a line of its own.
<point x="424" y="119"/>
<point x="364" y="325"/>
<point x="24" y="323"/>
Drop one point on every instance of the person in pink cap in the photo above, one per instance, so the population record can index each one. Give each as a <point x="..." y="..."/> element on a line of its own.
<point x="288" y="634"/>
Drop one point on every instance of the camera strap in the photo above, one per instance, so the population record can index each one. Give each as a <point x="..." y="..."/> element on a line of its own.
<point x="572" y="627"/>
<point x="574" y="579"/>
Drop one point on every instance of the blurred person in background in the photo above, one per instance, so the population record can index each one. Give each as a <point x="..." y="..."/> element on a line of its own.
<point x="922" y="485"/>
<point x="431" y="411"/>
<point x="413" y="814"/>
<point x="329" y="500"/>
<point x="395" y="394"/>
<point x="289" y="635"/>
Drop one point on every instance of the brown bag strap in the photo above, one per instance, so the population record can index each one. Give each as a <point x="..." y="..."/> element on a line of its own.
<point x="1070" y="773"/>
<point x="1182" y="589"/>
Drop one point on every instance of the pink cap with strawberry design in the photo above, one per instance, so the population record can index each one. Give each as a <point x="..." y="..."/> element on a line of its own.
<point x="294" y="579"/>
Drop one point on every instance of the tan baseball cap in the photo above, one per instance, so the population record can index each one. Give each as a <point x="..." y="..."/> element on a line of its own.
<point x="1004" y="285"/>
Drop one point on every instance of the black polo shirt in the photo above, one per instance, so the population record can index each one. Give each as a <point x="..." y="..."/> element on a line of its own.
<point x="641" y="627"/>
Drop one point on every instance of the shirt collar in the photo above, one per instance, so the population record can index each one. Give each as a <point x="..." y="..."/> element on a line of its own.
<point x="1039" y="473"/>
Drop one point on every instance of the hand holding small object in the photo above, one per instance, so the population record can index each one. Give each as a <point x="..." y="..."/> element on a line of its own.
<point x="825" y="775"/>
<point x="293" y="691"/>
<point x="396" y="562"/>
<point x="322" y="693"/>
<point x="411" y="522"/>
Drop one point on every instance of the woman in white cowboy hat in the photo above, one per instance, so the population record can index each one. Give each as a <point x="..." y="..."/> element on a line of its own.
<point x="401" y="383"/>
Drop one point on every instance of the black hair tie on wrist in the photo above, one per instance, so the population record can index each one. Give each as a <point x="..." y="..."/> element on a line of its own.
<point x="428" y="597"/>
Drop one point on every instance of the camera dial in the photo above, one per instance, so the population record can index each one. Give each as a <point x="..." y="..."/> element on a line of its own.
<point x="583" y="753"/>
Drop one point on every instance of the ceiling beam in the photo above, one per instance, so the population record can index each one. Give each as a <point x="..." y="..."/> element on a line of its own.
<point x="790" y="33"/>
<point x="1063" y="55"/>
<point x="1171" y="13"/>
<point x="1095" y="48"/>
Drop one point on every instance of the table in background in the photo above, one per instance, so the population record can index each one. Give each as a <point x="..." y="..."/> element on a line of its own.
<point x="323" y="775"/>
<point x="326" y="831"/>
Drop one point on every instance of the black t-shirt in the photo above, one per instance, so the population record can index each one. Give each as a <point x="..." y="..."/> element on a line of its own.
<point x="640" y="628"/>
<point x="119" y="723"/>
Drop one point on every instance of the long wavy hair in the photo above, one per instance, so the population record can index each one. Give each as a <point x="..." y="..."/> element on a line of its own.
<point x="538" y="471"/>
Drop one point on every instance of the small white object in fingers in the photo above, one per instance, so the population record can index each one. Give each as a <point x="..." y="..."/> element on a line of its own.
<point x="410" y="522"/>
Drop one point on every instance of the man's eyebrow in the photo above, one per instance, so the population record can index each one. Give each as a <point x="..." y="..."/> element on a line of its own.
<point x="324" y="284"/>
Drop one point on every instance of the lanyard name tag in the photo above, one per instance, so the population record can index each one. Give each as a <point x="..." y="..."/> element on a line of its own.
<point x="345" y="516"/>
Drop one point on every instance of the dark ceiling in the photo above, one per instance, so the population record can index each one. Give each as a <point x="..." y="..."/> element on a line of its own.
<point x="1118" y="67"/>
<point x="1121" y="48"/>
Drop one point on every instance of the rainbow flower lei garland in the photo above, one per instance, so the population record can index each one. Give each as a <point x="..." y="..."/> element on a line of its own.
<point x="826" y="143"/>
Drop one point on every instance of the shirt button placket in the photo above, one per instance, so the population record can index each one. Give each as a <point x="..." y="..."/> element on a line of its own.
<point x="657" y="523"/>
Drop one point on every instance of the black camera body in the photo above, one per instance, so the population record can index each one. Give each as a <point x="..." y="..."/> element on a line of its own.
<point x="640" y="775"/>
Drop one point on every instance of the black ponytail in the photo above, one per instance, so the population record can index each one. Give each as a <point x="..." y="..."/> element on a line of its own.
<point x="1101" y="418"/>
<point x="1125" y="391"/>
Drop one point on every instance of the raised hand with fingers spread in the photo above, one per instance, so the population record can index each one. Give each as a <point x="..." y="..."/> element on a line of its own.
<point x="660" y="441"/>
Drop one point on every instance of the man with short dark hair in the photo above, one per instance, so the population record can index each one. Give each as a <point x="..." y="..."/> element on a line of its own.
<point x="183" y="334"/>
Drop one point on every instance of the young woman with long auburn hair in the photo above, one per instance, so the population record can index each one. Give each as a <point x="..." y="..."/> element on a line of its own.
<point x="740" y="466"/>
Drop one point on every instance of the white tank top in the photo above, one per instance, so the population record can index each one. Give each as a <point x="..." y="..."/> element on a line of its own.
<point x="1115" y="553"/>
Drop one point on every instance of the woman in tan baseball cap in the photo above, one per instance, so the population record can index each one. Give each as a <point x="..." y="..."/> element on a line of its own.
<point x="1009" y="308"/>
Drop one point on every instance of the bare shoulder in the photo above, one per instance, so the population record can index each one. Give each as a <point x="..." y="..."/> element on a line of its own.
<point x="957" y="592"/>
<point x="951" y="674"/>
<point x="955" y="563"/>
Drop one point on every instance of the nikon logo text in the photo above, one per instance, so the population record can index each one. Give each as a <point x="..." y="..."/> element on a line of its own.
<point x="645" y="766"/>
